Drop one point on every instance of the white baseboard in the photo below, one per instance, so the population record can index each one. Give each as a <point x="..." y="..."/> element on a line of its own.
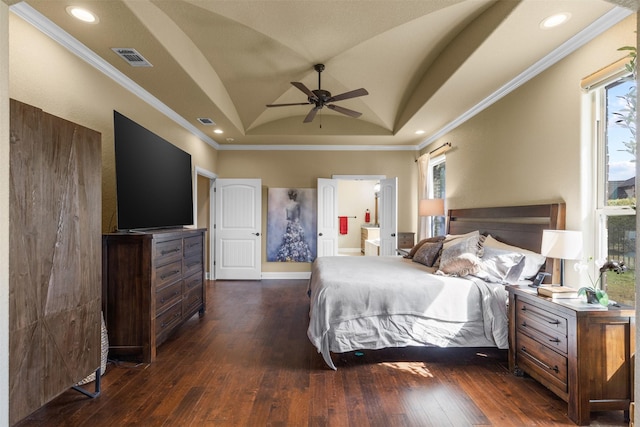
<point x="286" y="275"/>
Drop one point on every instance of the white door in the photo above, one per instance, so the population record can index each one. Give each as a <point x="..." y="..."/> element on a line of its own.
<point x="327" y="217"/>
<point x="388" y="216"/>
<point x="238" y="229"/>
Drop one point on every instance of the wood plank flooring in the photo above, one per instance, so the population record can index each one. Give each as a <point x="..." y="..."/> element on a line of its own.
<point x="248" y="362"/>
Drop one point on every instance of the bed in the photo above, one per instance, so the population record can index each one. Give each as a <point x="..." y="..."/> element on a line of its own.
<point x="367" y="303"/>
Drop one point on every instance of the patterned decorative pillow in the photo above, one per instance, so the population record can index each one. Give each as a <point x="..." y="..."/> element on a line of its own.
<point x="413" y="250"/>
<point x="462" y="257"/>
<point x="427" y="253"/>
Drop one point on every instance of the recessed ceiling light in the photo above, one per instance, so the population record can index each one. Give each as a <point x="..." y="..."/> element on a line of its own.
<point x="217" y="131"/>
<point x="419" y="132"/>
<point x="82" y="14"/>
<point x="555" y="20"/>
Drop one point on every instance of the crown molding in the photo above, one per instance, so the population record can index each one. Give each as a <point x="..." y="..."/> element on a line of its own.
<point x="596" y="28"/>
<point x="318" y="148"/>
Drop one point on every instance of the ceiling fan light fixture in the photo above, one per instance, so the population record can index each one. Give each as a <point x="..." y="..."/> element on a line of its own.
<point x="555" y="20"/>
<point x="82" y="14"/>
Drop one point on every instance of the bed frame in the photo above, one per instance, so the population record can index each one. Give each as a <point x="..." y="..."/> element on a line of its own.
<point x="515" y="225"/>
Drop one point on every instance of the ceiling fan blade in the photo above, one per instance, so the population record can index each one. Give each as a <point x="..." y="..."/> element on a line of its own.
<point x="288" y="105"/>
<point x="304" y="89"/>
<point x="311" y="115"/>
<point x="343" y="110"/>
<point x="347" y="95"/>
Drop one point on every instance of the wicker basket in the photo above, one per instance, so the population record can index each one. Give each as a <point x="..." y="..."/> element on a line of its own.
<point x="104" y="346"/>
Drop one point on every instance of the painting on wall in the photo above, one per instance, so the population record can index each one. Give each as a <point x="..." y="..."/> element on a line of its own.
<point x="291" y="225"/>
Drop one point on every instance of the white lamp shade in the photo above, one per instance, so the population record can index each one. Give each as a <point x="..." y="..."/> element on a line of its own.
<point x="431" y="207"/>
<point x="562" y="244"/>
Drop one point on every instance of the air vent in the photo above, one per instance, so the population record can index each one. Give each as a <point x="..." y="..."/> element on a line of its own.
<point x="206" y="121"/>
<point x="132" y="57"/>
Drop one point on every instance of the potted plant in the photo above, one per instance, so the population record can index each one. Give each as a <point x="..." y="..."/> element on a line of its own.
<point x="594" y="293"/>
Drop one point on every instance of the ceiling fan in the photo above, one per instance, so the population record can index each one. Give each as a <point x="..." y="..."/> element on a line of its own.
<point x="322" y="98"/>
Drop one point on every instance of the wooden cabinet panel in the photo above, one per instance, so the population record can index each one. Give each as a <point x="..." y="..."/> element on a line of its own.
<point x="152" y="283"/>
<point x="54" y="262"/>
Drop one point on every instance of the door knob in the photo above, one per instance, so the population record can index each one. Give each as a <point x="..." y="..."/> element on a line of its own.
<point x="256" y="234"/>
<point x="319" y="234"/>
<point x="393" y="234"/>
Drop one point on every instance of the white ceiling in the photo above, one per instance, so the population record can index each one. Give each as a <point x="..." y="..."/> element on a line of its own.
<point x="427" y="64"/>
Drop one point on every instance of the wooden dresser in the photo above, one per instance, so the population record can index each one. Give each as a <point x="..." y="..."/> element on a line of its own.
<point x="152" y="283"/>
<point x="582" y="354"/>
<point x="406" y="239"/>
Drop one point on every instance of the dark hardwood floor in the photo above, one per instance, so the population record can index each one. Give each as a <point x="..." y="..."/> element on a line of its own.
<point x="248" y="362"/>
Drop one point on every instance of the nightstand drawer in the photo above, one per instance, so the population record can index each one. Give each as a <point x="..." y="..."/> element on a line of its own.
<point x="543" y="326"/>
<point x="542" y="360"/>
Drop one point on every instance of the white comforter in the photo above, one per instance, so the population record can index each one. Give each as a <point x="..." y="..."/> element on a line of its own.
<point x="379" y="302"/>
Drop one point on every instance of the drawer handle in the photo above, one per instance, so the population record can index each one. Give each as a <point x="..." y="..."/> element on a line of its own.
<point x="169" y="251"/>
<point x="163" y="300"/>
<point x="555" y="368"/>
<point x="554" y="340"/>
<point x="169" y="274"/>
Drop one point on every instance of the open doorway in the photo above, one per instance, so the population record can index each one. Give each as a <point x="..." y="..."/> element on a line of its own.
<point x="357" y="210"/>
<point x="204" y="184"/>
<point x="359" y="214"/>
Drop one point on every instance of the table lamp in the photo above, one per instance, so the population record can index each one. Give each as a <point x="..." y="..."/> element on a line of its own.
<point x="561" y="244"/>
<point x="431" y="207"/>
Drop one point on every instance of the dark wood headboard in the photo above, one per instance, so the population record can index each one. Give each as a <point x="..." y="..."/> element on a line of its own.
<point x="515" y="225"/>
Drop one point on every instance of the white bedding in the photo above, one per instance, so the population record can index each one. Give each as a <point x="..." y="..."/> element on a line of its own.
<point x="379" y="302"/>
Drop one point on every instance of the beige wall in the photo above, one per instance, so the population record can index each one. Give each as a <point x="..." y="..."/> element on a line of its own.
<point x="303" y="168"/>
<point x="526" y="148"/>
<point x="48" y="76"/>
<point x="4" y="214"/>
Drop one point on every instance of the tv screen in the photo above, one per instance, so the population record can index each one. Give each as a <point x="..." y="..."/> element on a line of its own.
<point x="153" y="179"/>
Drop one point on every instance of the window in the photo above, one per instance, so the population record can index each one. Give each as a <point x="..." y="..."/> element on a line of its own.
<point x="615" y="171"/>
<point x="436" y="186"/>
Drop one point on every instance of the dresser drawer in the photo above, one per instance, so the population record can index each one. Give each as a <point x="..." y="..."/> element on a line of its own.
<point x="192" y="245"/>
<point x="548" y="364"/>
<point x="543" y="326"/>
<point x="405" y="240"/>
<point x="168" y="251"/>
<point x="167" y="296"/>
<point x="193" y="282"/>
<point x="167" y="274"/>
<point x="192" y="301"/>
<point x="193" y="264"/>
<point x="170" y="318"/>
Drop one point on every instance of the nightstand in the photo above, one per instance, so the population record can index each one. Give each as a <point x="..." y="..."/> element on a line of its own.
<point x="581" y="353"/>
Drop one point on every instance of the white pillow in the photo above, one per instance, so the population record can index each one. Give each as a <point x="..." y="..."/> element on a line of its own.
<point x="501" y="266"/>
<point x="533" y="261"/>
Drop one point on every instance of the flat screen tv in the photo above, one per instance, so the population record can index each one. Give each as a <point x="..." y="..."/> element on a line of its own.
<point x="153" y="179"/>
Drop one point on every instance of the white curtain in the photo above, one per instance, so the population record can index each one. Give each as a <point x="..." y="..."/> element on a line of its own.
<point x="423" y="193"/>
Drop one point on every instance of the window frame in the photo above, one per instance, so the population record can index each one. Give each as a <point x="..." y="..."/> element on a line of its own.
<point x="601" y="210"/>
